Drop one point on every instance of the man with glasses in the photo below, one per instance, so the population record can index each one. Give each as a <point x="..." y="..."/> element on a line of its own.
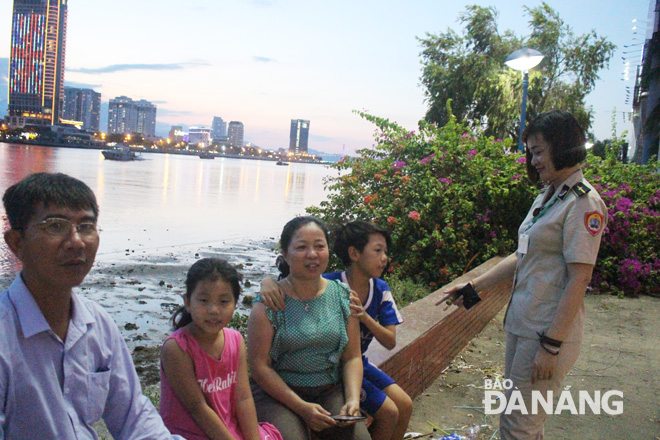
<point x="63" y="363"/>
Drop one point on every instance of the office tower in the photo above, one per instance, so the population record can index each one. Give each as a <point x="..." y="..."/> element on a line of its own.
<point x="82" y="105"/>
<point x="36" y="65"/>
<point x="298" y="136"/>
<point x="219" y="128"/>
<point x="126" y="116"/>
<point x="146" y="118"/>
<point x="235" y="134"/>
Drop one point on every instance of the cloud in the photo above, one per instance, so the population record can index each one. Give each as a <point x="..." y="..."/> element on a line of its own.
<point x="263" y="3"/>
<point x="263" y="59"/>
<point x="81" y="85"/>
<point x="166" y="112"/>
<point x="318" y="138"/>
<point x="124" y="67"/>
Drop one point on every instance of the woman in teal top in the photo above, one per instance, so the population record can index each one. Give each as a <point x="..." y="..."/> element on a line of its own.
<point x="305" y="360"/>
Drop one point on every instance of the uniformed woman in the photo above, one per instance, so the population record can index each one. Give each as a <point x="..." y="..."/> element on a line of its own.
<point x="557" y="248"/>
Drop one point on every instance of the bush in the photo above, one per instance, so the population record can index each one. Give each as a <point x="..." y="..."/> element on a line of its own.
<point x="450" y="199"/>
<point x="629" y="258"/>
<point x="453" y="200"/>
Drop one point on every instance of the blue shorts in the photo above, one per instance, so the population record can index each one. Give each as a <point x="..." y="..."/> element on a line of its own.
<point x="374" y="381"/>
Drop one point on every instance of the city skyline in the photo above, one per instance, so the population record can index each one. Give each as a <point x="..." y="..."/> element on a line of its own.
<point x="267" y="62"/>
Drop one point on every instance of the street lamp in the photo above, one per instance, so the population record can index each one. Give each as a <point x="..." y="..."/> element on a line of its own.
<point x="523" y="60"/>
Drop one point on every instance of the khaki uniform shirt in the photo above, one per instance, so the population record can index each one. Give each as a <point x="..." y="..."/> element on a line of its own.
<point x="569" y="231"/>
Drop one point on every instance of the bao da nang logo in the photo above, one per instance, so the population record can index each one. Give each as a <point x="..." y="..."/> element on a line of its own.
<point x="580" y="403"/>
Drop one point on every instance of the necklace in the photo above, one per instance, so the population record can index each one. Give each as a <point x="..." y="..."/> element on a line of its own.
<point x="306" y="305"/>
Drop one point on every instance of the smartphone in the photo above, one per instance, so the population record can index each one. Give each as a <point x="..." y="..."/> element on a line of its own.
<point x="345" y="418"/>
<point x="470" y="296"/>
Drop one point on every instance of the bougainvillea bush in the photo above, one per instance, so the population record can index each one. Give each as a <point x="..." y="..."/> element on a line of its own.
<point x="452" y="200"/>
<point x="629" y="258"/>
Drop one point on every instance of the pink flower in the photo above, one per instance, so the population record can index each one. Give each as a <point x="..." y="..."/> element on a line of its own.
<point x="399" y="164"/>
<point x="414" y="215"/>
<point x="516" y="177"/>
<point x="521" y="159"/>
<point x="427" y="159"/>
<point x="472" y="153"/>
<point x="445" y="180"/>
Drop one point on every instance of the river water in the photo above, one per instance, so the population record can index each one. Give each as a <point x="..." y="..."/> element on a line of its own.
<point x="161" y="213"/>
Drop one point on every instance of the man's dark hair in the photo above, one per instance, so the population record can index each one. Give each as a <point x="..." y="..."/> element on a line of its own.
<point x="562" y="131"/>
<point x="22" y="199"/>
<point x="356" y="234"/>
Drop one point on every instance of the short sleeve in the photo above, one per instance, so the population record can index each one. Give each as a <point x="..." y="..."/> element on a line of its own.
<point x="344" y="294"/>
<point x="583" y="229"/>
<point x="388" y="313"/>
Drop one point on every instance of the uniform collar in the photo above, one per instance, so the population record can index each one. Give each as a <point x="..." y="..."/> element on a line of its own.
<point x="30" y="318"/>
<point x="565" y="186"/>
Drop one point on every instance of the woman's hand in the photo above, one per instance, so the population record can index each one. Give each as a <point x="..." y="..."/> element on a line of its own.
<point x="316" y="417"/>
<point x="452" y="297"/>
<point x="544" y="365"/>
<point x="356" y="306"/>
<point x="350" y="408"/>
<point x="272" y="295"/>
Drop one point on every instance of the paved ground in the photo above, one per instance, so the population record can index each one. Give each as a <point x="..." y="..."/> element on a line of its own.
<point x="620" y="352"/>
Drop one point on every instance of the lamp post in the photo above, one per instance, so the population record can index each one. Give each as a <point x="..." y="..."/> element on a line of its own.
<point x="523" y="60"/>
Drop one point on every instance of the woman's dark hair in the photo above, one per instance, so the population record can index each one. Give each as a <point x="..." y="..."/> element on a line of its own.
<point x="22" y="199"/>
<point x="562" y="131"/>
<point x="357" y="234"/>
<point x="206" y="269"/>
<point x="288" y="232"/>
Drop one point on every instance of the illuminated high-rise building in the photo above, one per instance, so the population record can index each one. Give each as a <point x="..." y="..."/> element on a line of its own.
<point x="219" y="128"/>
<point x="235" y="134"/>
<point x="82" y="106"/>
<point x="126" y="116"/>
<point x="36" y="65"/>
<point x="299" y="136"/>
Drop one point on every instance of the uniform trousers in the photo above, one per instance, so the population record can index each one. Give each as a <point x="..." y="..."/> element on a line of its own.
<point x="519" y="364"/>
<point x="293" y="427"/>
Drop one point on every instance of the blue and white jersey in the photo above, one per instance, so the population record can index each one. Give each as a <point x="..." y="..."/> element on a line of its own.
<point x="380" y="306"/>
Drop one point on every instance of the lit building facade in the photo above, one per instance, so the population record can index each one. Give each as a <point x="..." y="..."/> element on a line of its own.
<point x="126" y="116"/>
<point x="235" y="134"/>
<point x="36" y="65"/>
<point x="299" y="136"/>
<point x="219" y="127"/>
<point x="199" y="137"/>
<point x="82" y="105"/>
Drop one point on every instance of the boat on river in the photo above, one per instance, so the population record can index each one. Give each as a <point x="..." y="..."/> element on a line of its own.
<point x="206" y="155"/>
<point x="280" y="162"/>
<point x="122" y="153"/>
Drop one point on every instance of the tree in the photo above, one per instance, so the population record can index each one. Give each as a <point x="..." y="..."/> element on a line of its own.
<point x="469" y="69"/>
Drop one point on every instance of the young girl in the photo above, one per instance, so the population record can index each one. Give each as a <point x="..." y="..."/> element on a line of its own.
<point x="205" y="393"/>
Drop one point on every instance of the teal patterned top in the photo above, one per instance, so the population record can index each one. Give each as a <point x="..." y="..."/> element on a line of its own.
<point x="308" y="345"/>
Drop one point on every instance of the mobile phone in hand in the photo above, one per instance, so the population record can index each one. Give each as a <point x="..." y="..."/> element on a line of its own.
<point x="346" y="418"/>
<point x="470" y="296"/>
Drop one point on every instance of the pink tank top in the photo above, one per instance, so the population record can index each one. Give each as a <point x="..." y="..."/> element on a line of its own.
<point x="217" y="378"/>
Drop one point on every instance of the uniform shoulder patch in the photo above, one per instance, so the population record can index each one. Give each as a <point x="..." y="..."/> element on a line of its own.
<point x="580" y="189"/>
<point x="593" y="221"/>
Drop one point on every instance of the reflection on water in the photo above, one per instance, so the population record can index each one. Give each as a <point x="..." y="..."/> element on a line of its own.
<point x="159" y="215"/>
<point x="170" y="200"/>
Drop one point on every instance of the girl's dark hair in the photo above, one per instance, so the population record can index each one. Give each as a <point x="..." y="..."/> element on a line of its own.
<point x="562" y="131"/>
<point x="288" y="232"/>
<point x="206" y="269"/>
<point x="356" y="234"/>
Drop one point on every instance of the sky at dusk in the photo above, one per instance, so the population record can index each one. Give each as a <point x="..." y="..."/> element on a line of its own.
<point x="265" y="62"/>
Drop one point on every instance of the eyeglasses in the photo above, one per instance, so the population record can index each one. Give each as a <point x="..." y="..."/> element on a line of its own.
<point x="61" y="227"/>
